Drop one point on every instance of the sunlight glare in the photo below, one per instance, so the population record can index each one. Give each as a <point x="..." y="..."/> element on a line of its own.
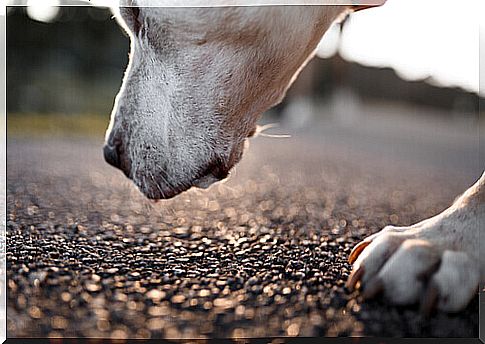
<point x="419" y="39"/>
<point x="329" y="44"/>
<point x="43" y="10"/>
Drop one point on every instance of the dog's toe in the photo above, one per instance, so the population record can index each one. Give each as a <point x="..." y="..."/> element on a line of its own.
<point x="454" y="284"/>
<point x="373" y="256"/>
<point x="357" y="250"/>
<point x="403" y="274"/>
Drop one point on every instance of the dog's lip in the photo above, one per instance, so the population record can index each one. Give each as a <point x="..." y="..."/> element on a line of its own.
<point x="157" y="196"/>
<point x="252" y="132"/>
<point x="202" y="182"/>
<point x="205" y="181"/>
<point x="217" y="170"/>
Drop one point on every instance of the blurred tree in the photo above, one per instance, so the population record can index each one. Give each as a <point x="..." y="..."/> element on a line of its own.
<point x="74" y="64"/>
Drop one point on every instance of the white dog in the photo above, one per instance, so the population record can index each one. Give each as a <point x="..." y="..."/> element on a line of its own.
<point x="197" y="81"/>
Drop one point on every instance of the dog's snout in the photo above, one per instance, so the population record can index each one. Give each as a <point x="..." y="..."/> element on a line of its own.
<point x="111" y="155"/>
<point x="214" y="173"/>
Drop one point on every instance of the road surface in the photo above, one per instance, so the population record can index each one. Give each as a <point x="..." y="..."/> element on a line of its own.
<point x="263" y="254"/>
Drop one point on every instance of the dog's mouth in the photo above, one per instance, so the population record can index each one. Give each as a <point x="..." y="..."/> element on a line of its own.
<point x="159" y="187"/>
<point x="215" y="172"/>
<point x="154" y="191"/>
<point x="205" y="181"/>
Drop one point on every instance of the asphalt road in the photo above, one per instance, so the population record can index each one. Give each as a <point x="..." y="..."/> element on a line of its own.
<point x="264" y="254"/>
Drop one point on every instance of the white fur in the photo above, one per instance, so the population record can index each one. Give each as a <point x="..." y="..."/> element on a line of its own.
<point x="197" y="81"/>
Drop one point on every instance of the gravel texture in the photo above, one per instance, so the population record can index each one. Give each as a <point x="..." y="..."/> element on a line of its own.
<point x="264" y="254"/>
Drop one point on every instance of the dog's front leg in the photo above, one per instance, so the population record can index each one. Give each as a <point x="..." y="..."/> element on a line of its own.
<point x="435" y="262"/>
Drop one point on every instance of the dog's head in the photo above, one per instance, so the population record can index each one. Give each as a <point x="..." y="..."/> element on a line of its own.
<point x="197" y="80"/>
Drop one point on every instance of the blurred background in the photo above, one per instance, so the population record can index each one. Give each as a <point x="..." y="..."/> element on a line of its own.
<point x="399" y="67"/>
<point x="70" y="61"/>
<point x="385" y="129"/>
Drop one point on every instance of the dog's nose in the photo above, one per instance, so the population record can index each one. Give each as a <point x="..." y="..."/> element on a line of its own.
<point x="111" y="155"/>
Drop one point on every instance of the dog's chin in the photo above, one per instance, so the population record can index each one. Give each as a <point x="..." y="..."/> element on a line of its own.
<point x="156" y="195"/>
<point x="158" y="188"/>
<point x="156" y="192"/>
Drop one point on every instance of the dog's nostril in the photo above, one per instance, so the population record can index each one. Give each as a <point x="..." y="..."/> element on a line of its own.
<point x="111" y="155"/>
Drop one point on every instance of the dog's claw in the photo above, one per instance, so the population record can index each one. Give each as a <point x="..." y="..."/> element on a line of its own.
<point x="429" y="300"/>
<point x="373" y="288"/>
<point x="354" y="277"/>
<point x="356" y="251"/>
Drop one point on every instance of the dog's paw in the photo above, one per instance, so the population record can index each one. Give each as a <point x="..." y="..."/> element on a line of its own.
<point x="415" y="264"/>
